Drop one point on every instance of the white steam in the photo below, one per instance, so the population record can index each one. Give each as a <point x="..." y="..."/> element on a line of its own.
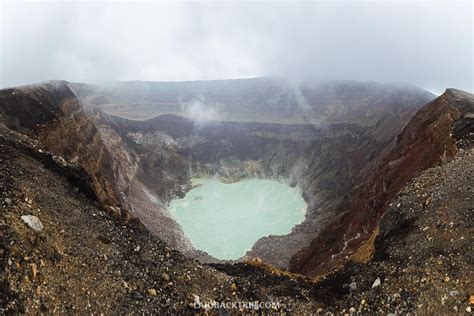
<point x="200" y="112"/>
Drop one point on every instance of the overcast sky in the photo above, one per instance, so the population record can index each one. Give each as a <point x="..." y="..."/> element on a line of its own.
<point x="427" y="43"/>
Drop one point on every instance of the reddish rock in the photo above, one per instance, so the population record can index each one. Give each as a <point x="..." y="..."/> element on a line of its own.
<point x="426" y="141"/>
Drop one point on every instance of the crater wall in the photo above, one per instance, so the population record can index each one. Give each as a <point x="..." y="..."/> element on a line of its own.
<point x="323" y="138"/>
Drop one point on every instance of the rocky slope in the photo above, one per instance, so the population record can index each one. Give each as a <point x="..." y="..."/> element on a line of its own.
<point x="85" y="137"/>
<point x="423" y="255"/>
<point x="53" y="115"/>
<point x="429" y="139"/>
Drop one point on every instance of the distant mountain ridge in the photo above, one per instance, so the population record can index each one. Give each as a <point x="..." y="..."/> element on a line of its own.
<point x="257" y="99"/>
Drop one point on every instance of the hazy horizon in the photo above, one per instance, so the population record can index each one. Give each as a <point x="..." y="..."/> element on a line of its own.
<point x="425" y="43"/>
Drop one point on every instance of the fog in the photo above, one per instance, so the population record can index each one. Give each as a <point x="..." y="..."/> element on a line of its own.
<point x="427" y="43"/>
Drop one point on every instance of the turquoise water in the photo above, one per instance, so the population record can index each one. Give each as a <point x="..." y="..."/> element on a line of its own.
<point x="225" y="220"/>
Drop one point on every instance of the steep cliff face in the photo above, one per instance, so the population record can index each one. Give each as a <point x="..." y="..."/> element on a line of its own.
<point x="52" y="113"/>
<point x="429" y="139"/>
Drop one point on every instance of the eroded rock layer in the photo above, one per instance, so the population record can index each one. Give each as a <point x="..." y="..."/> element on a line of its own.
<point x="430" y="138"/>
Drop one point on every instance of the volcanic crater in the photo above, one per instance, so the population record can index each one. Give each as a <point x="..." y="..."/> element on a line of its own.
<point x="143" y="142"/>
<point x="346" y="149"/>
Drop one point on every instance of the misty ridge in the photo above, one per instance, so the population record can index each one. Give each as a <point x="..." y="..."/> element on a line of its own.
<point x="264" y="99"/>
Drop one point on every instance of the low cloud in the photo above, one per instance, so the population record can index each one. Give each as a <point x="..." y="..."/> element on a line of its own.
<point x="428" y="43"/>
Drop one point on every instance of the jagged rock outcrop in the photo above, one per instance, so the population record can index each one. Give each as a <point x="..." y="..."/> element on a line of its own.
<point x="52" y="113"/>
<point x="428" y="139"/>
